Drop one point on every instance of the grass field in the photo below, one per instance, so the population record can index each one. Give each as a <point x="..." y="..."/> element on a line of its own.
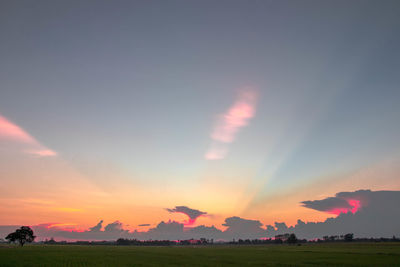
<point x="338" y="254"/>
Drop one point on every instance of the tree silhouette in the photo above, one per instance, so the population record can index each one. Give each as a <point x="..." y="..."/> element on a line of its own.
<point x="22" y="235"/>
<point x="348" y="237"/>
<point x="292" y="239"/>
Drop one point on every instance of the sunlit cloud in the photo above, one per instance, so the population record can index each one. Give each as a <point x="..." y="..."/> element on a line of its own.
<point x="229" y="123"/>
<point x="343" y="202"/>
<point x="42" y="153"/>
<point x="9" y="130"/>
<point x="69" y="209"/>
<point x="236" y="117"/>
<point x="58" y="227"/>
<point x="378" y="216"/>
<point x="12" y="132"/>
<point x="61" y="225"/>
<point x="191" y="213"/>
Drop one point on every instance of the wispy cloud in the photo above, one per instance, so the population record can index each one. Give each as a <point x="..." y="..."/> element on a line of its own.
<point x="11" y="131"/>
<point x="68" y="209"/>
<point x="42" y="152"/>
<point x="216" y="151"/>
<point x="230" y="122"/>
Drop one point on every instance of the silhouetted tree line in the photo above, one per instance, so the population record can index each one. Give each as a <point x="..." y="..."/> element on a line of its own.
<point x="135" y="242"/>
<point x="279" y="239"/>
<point x="347" y="237"/>
<point x="25" y="234"/>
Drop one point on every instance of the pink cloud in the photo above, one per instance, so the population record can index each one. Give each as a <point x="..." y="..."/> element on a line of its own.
<point x="43" y="153"/>
<point x="229" y="123"/>
<point x="12" y="132"/>
<point x="215" y="152"/>
<point x="236" y="117"/>
<point x="9" y="130"/>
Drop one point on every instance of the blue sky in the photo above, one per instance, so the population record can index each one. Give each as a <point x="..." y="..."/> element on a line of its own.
<point x="134" y="89"/>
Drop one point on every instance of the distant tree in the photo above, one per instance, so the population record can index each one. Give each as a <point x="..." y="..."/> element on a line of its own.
<point x="330" y="238"/>
<point x="50" y="242"/>
<point x="203" y="241"/>
<point x="348" y="237"/>
<point x="333" y="237"/>
<point x="292" y="239"/>
<point x="22" y="235"/>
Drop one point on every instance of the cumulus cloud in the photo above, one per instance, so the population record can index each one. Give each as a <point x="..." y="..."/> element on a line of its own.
<point x="114" y="227"/>
<point x="12" y="132"/>
<point x="191" y="213"/>
<point x="379" y="216"/>
<point x="203" y="231"/>
<point x="366" y="214"/>
<point x="97" y="227"/>
<point x="170" y="230"/>
<point x="111" y="231"/>
<point x="330" y="205"/>
<point x="243" y="228"/>
<point x="229" y="123"/>
<point x="343" y="202"/>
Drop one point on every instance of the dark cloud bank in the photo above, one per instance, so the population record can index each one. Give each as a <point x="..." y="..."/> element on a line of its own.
<point x="365" y="213"/>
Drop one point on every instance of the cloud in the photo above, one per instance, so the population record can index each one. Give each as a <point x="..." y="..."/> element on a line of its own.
<point x="165" y="231"/>
<point x="114" y="227"/>
<point x="144" y="224"/>
<point x="62" y="231"/>
<point x="97" y="227"/>
<point x="343" y="202"/>
<point x="229" y="123"/>
<point x="191" y="213"/>
<point x="9" y="130"/>
<point x="236" y="117"/>
<point x="365" y="213"/>
<point x="378" y="216"/>
<point x="43" y="153"/>
<point x="68" y="209"/>
<point x="12" y="132"/>
<point x="172" y="230"/>
<point x="203" y="231"/>
<point x="67" y="227"/>
<point x="243" y="228"/>
<point x="216" y="151"/>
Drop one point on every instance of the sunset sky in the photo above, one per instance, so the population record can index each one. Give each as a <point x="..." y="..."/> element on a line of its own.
<point x="121" y="110"/>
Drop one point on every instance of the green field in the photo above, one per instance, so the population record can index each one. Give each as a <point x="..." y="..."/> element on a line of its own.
<point x="337" y="254"/>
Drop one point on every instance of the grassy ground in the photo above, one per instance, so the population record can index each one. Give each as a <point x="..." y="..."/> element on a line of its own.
<point x="340" y="254"/>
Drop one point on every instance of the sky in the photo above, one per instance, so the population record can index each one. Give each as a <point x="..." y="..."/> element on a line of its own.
<point x="146" y="111"/>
